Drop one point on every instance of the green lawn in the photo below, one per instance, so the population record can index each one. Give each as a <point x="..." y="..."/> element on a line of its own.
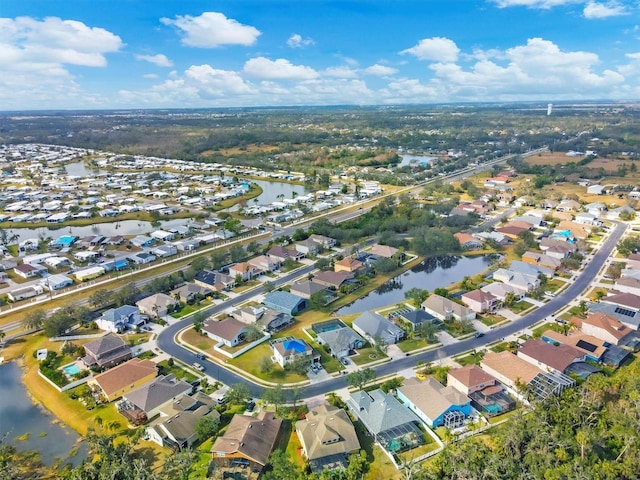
<point x="367" y="355"/>
<point x="414" y="344"/>
<point x="188" y="309"/>
<point x="520" y="306"/>
<point x="490" y="320"/>
<point x="501" y="347"/>
<point x="176" y="370"/>
<point x="556" y="327"/>
<point x="471" y="359"/>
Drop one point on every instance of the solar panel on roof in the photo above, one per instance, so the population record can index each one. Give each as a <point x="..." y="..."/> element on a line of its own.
<point x="625" y="311"/>
<point x="589" y="347"/>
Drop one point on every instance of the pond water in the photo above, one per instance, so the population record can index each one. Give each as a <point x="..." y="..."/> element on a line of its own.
<point x="271" y="190"/>
<point x="434" y="272"/>
<point x="18" y="415"/>
<point x="80" y="169"/>
<point x="415" y="160"/>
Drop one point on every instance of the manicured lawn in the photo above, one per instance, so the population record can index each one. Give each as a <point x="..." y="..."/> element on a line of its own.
<point x="176" y="370"/>
<point x="490" y="320"/>
<point x="471" y="359"/>
<point x="247" y="286"/>
<point x="554" y="285"/>
<point x="201" y="342"/>
<point x="201" y="465"/>
<point x="367" y="355"/>
<point x="188" y="309"/>
<point x="520" y="306"/>
<point x="413" y="344"/>
<point x="556" y="327"/>
<point x="501" y="347"/>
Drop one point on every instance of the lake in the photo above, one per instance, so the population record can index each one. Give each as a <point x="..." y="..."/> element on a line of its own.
<point x="434" y="272"/>
<point x="18" y="415"/>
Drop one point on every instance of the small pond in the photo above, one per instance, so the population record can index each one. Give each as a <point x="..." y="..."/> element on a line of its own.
<point x="432" y="273"/>
<point x="29" y="427"/>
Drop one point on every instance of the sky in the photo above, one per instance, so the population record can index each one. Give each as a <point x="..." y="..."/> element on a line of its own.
<point x="121" y="54"/>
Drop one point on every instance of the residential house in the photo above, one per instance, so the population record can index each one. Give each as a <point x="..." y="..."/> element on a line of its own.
<point x="215" y="280"/>
<point x="384" y="251"/>
<point x="629" y="317"/>
<point x="307" y="288"/>
<point x="273" y="321"/>
<point x="470" y="379"/>
<point x="23" y="293"/>
<point x="150" y="398"/>
<point x="468" y="241"/>
<point x="591" y="347"/>
<point x="164" y="251"/>
<point x="486" y="393"/>
<point x="568" y="206"/>
<point x="247" y="441"/>
<point x="615" y="213"/>
<point x="509" y="369"/>
<point x="376" y="328"/>
<point x="178" y="430"/>
<point x="190" y="292"/>
<point x="26" y="270"/>
<point x="141" y="258"/>
<point x="341" y="341"/>
<point x="286" y="350"/>
<point x="596" y="208"/>
<point x="577" y="230"/>
<point x="501" y="291"/>
<point x="595" y="190"/>
<point x="435" y="404"/>
<point x="265" y="263"/>
<point x="541" y="260"/>
<point x="56" y="282"/>
<point x="480" y="301"/>
<point x="117" y="320"/>
<point x="106" y="352"/>
<point x="281" y="253"/>
<point x="511" y="231"/>
<point x="349" y="265"/>
<point x="604" y="327"/>
<point x="548" y="357"/>
<point x="413" y="319"/>
<point x="308" y="247"/>
<point x="119" y="380"/>
<point x="333" y="280"/>
<point x="229" y="332"/>
<point x="90" y="273"/>
<point x="244" y="270"/>
<point x="158" y="305"/>
<point x="285" y="302"/>
<point x="249" y="314"/>
<point x="628" y="285"/>
<point x="142" y="241"/>
<point x="521" y="281"/>
<point x="446" y="309"/>
<point x="383" y="416"/>
<point x="327" y="437"/>
<point x="163" y="235"/>
<point x="586" y="218"/>
<point x="325" y="242"/>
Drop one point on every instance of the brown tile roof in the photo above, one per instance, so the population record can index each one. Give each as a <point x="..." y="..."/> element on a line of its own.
<point x="624" y="299"/>
<point x="610" y="324"/>
<point x="226" y="329"/>
<point x="431" y="397"/>
<point x="124" y="375"/>
<point x="383" y="250"/>
<point x="350" y="263"/>
<point x="558" y="358"/>
<point x="576" y="339"/>
<point x="250" y="437"/>
<point x="510" y="366"/>
<point x="326" y="431"/>
<point x="471" y="375"/>
<point x="479" y="296"/>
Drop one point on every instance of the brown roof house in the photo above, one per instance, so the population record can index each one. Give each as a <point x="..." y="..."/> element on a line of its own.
<point x="384" y="251"/>
<point x="434" y="403"/>
<point x="549" y="357"/>
<point x="118" y="381"/>
<point x="350" y="265"/>
<point x="106" y="352"/>
<point x="480" y="301"/>
<point x="446" y="309"/>
<point x="247" y="441"/>
<point x="469" y="379"/>
<point x="604" y="327"/>
<point x="327" y="437"/>
<point x="229" y="332"/>
<point x="158" y="305"/>
<point x="509" y="369"/>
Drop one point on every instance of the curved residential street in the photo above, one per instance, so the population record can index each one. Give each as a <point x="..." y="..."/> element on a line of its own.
<point x="166" y="339"/>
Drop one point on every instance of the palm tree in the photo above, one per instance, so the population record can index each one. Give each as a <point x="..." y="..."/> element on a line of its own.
<point x="2" y="335"/>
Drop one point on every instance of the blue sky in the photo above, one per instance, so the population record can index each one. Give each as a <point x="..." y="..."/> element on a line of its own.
<point x="81" y="54"/>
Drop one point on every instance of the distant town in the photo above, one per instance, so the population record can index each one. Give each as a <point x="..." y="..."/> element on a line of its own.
<point x="334" y="319"/>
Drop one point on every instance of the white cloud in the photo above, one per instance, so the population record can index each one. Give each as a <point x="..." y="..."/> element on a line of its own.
<point x="281" y="68"/>
<point x="380" y="70"/>
<point x="538" y="69"/>
<point x="159" y="60"/>
<point x="34" y="55"/>
<point x="340" y="72"/>
<point x="437" y="49"/>
<point x="544" y="4"/>
<point x="296" y="41"/>
<point x="604" y="10"/>
<point x="213" y="29"/>
<point x="150" y="75"/>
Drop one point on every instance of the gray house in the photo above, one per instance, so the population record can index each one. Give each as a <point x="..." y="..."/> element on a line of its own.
<point x="341" y="341"/>
<point x="373" y="326"/>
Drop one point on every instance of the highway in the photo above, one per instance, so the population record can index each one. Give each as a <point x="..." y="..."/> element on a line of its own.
<point x="167" y="344"/>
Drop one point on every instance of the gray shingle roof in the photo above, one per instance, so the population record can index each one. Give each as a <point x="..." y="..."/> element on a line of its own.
<point x="379" y="411"/>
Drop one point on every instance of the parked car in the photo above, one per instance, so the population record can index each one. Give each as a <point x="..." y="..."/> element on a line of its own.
<point x="201" y="356"/>
<point x="344" y="361"/>
<point x="198" y="367"/>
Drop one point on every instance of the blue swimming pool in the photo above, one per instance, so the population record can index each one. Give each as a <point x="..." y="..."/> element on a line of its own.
<point x="71" y="369"/>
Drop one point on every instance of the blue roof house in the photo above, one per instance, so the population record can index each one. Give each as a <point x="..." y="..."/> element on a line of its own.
<point x="285" y="302"/>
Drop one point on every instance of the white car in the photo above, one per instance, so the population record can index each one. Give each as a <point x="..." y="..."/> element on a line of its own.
<point x="198" y="367"/>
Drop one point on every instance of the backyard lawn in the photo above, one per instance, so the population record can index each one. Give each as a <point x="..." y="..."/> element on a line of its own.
<point x="176" y="370"/>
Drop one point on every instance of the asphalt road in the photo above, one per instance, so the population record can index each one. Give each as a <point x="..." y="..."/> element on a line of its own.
<point x="167" y="344"/>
